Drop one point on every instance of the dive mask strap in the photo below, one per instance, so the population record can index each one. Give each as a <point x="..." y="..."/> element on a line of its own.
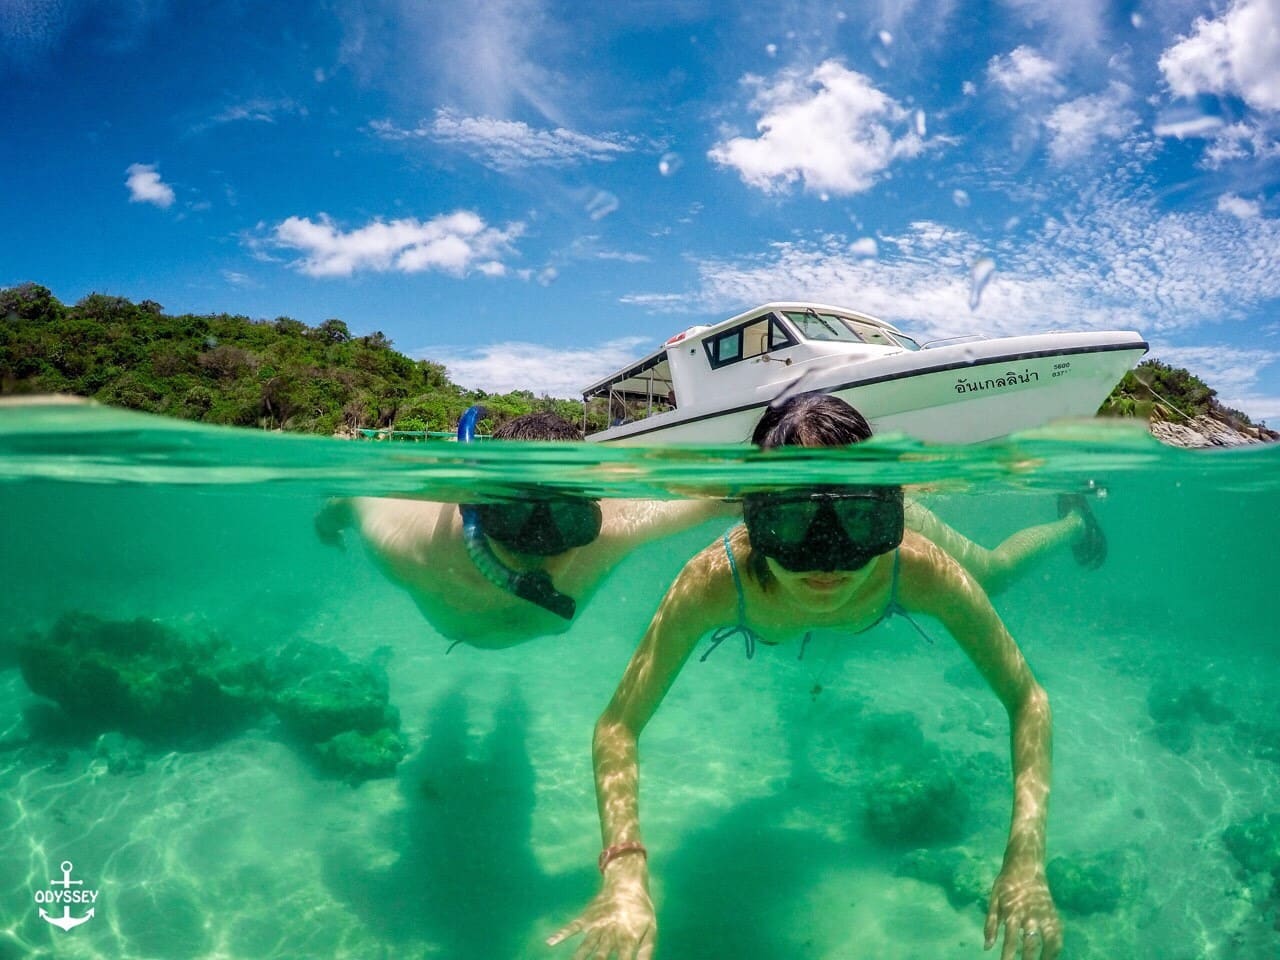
<point x="534" y="586"/>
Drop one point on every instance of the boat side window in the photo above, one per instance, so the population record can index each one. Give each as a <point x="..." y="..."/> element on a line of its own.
<point x="726" y="348"/>
<point x="752" y="339"/>
<point x="870" y="333"/>
<point x="906" y="342"/>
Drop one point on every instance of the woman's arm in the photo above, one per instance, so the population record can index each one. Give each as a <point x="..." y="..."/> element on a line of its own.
<point x="1020" y="901"/>
<point x="621" y="917"/>
<point x="632" y="523"/>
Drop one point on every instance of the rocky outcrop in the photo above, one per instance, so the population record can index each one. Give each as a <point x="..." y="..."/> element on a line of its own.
<point x="1209" y="431"/>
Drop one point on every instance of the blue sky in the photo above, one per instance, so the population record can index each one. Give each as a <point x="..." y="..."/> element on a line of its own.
<point x="533" y="192"/>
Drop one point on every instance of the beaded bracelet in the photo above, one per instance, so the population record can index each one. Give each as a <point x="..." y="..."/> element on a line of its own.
<point x="609" y="854"/>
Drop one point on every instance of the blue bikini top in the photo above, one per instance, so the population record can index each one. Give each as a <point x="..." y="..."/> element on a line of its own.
<point x="751" y="637"/>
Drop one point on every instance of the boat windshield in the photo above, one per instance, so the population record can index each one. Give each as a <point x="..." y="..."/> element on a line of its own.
<point x="831" y="326"/>
<point x="822" y="326"/>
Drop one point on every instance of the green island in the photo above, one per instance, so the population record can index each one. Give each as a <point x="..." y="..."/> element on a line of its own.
<point x="282" y="374"/>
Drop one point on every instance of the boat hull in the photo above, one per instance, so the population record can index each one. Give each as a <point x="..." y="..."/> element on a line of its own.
<point x="964" y="393"/>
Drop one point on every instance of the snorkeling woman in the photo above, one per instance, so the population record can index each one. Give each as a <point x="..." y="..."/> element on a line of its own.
<point x="805" y="559"/>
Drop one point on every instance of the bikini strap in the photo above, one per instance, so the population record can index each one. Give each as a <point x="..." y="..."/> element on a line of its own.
<point x="895" y="607"/>
<point x="737" y="579"/>
<point x="722" y="634"/>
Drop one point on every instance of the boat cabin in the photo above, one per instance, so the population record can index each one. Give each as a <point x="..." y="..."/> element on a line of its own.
<point x="718" y="365"/>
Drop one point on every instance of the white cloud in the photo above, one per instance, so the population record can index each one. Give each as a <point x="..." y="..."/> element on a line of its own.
<point x="486" y="57"/>
<point x="258" y="110"/>
<point x="830" y="129"/>
<point x="560" y="372"/>
<point x="1184" y="125"/>
<point x="622" y="257"/>
<point x="1239" y="141"/>
<point x="1234" y="54"/>
<point x="1114" y="260"/>
<point x="1076" y="127"/>
<point x="1239" y="206"/>
<point x="30" y="29"/>
<point x="1025" y="73"/>
<point x="601" y="204"/>
<point x="864" y="247"/>
<point x="509" y="144"/>
<point x="237" y="279"/>
<point x="1073" y="27"/>
<point x="145" y="185"/>
<point x="454" y="243"/>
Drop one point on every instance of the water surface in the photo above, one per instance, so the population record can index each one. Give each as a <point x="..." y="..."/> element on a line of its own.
<point x="1161" y="667"/>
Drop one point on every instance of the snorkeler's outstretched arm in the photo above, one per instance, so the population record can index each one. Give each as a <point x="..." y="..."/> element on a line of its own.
<point x="630" y="523"/>
<point x="620" y="920"/>
<point x="1020" y="900"/>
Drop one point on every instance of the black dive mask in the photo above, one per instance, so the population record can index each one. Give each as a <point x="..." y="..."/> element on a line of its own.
<point x="541" y="527"/>
<point x="832" y="528"/>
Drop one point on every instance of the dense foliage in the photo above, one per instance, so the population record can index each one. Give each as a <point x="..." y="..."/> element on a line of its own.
<point x="274" y="374"/>
<point x="1155" y="390"/>
<point x="283" y="374"/>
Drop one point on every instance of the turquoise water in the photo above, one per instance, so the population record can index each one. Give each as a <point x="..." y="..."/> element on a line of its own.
<point x="232" y="840"/>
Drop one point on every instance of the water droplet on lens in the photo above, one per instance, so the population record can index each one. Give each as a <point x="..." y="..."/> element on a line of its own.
<point x="980" y="275"/>
<point x="670" y="163"/>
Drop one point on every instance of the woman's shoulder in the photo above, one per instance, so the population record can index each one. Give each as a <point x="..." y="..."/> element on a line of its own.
<point x="924" y="559"/>
<point x="710" y="574"/>
<point x="931" y="580"/>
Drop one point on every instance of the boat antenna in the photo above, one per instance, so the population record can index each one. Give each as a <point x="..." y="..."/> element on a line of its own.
<point x="532" y="585"/>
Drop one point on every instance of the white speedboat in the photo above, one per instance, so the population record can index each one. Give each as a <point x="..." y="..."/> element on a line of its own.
<point x="710" y="384"/>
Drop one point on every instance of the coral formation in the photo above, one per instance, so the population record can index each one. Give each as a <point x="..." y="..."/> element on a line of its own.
<point x="1255" y="844"/>
<point x="1177" y="708"/>
<point x="1097" y="884"/>
<point x="964" y="878"/>
<point x="339" y="710"/>
<point x="140" y="682"/>
<point x="914" y="798"/>
<point x="143" y="679"/>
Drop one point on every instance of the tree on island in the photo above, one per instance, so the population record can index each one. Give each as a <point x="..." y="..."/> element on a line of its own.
<point x="226" y="369"/>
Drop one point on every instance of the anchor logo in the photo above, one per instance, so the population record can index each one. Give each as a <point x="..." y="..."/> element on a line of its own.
<point x="65" y="896"/>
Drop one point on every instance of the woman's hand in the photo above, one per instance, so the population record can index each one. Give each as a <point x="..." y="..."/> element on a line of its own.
<point x="1020" y="902"/>
<point x="619" y="921"/>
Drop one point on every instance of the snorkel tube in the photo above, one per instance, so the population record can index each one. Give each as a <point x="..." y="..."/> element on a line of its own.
<point x="532" y="585"/>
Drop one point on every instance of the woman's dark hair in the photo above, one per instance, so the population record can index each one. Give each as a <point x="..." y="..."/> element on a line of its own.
<point x="538" y="426"/>
<point x="811" y="419"/>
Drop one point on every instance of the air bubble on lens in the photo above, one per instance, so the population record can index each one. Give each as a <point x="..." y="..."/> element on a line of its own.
<point x="980" y="275"/>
